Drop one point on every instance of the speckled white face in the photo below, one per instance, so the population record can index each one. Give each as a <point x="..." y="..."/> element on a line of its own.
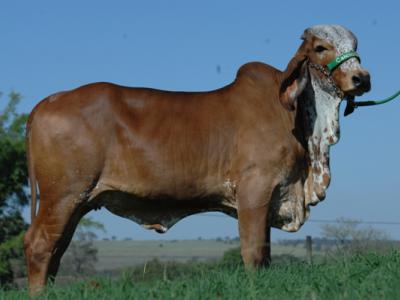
<point x="342" y="39"/>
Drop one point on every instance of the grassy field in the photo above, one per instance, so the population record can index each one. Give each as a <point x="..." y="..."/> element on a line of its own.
<point x="121" y="254"/>
<point x="367" y="276"/>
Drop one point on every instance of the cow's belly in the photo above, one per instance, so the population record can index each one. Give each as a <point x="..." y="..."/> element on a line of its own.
<point x="161" y="212"/>
<point x="289" y="208"/>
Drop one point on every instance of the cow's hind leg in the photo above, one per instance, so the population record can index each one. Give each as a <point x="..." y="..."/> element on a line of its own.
<point x="49" y="235"/>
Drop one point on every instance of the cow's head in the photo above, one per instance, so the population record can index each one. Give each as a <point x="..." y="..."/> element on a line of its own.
<point x="325" y="70"/>
<point x="318" y="84"/>
<point x="322" y="45"/>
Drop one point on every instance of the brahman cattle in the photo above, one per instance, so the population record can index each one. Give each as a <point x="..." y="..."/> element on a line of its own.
<point x="256" y="149"/>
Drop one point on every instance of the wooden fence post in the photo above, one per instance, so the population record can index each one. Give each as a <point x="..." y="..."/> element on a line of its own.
<point x="309" y="249"/>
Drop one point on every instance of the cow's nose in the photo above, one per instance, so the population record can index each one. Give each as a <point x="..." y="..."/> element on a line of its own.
<point x="362" y="82"/>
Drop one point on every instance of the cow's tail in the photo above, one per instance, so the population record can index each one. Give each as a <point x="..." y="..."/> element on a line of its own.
<point x="31" y="171"/>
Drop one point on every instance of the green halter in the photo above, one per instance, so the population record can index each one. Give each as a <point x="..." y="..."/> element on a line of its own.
<point x="341" y="59"/>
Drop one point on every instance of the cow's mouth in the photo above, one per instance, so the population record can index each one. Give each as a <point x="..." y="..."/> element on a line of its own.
<point x="356" y="92"/>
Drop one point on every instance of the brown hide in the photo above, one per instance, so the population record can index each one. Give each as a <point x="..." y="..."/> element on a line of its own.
<point x="156" y="156"/>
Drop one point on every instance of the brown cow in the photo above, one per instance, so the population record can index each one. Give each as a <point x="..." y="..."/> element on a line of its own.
<point x="256" y="149"/>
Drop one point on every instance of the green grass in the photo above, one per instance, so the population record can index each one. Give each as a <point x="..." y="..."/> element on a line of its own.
<point x="367" y="276"/>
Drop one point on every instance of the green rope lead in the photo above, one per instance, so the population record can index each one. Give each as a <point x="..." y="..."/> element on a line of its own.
<point x="375" y="102"/>
<point x="352" y="105"/>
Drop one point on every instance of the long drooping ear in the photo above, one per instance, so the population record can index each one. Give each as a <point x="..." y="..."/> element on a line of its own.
<point x="294" y="81"/>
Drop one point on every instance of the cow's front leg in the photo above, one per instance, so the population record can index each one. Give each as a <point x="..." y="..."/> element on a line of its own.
<point x="254" y="195"/>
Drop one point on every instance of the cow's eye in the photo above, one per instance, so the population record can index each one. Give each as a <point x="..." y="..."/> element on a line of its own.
<point x="320" y="49"/>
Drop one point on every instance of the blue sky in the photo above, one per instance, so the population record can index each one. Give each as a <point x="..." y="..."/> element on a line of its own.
<point x="199" y="45"/>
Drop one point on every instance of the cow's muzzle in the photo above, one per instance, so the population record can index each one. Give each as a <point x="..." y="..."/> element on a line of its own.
<point x="361" y="82"/>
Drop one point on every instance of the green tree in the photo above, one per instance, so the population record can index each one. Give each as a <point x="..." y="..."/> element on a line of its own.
<point x="13" y="169"/>
<point x="11" y="256"/>
<point x="13" y="184"/>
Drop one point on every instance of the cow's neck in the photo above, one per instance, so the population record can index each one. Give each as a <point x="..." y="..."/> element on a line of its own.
<point x="321" y="115"/>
